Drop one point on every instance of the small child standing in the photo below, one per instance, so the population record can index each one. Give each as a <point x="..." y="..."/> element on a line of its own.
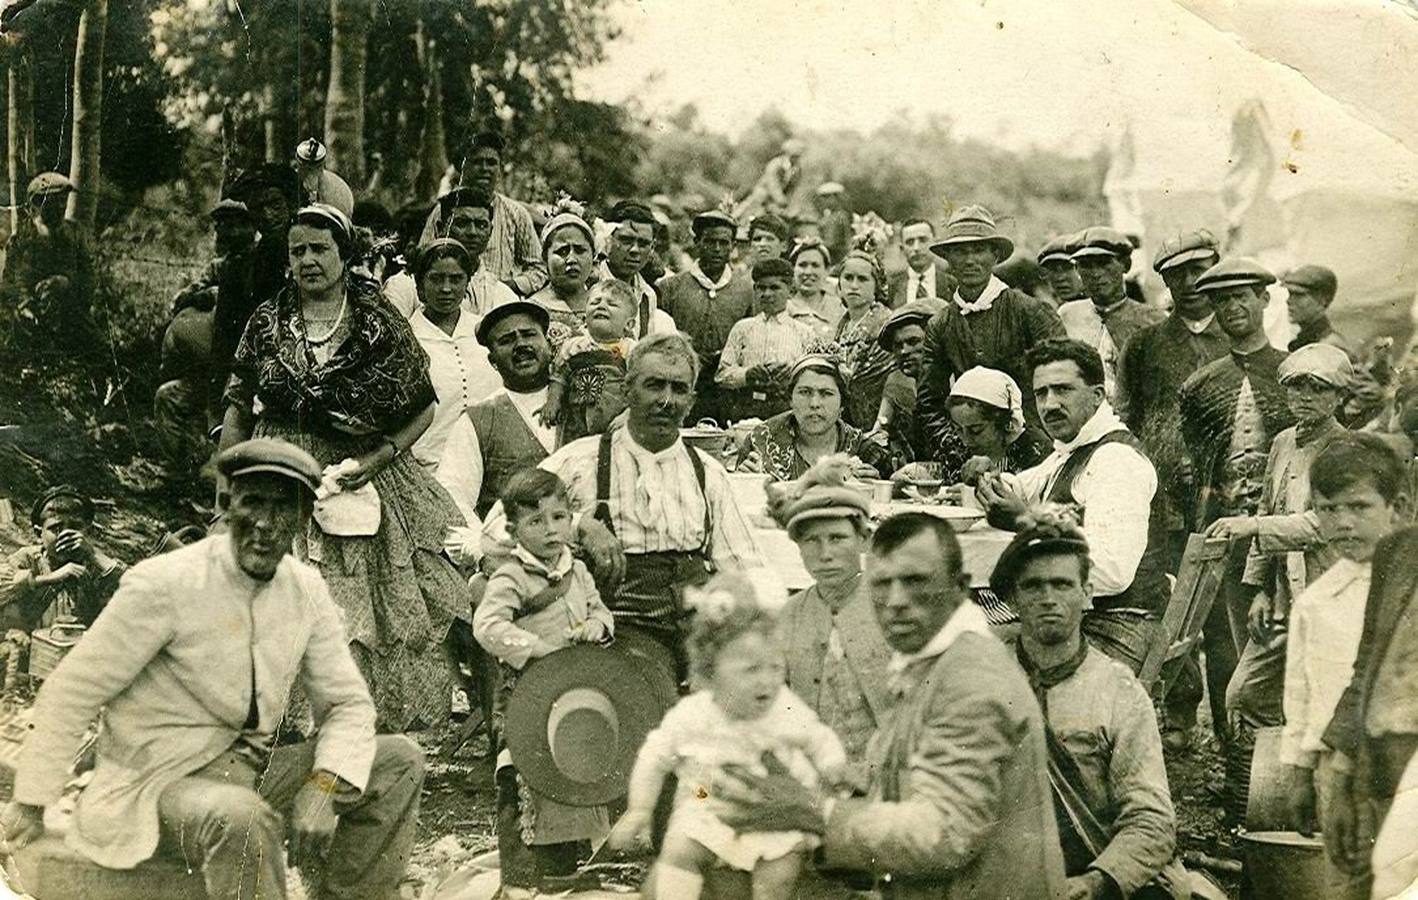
<point x="1357" y="485"/>
<point x="588" y="370"/>
<point x="741" y="709"/>
<point x="540" y="601"/>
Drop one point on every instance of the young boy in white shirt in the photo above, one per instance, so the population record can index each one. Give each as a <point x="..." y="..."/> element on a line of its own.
<point x="1357" y="486"/>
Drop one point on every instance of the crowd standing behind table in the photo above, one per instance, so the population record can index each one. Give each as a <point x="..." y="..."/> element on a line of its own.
<point x="423" y="392"/>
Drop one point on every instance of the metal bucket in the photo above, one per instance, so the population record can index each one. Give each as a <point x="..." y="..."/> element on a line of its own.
<point x="1285" y="864"/>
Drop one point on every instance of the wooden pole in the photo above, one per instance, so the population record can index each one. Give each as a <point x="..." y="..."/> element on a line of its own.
<point x="88" y="113"/>
<point x="19" y="150"/>
<point x="344" y="96"/>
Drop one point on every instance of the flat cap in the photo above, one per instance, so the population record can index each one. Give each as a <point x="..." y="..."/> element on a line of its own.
<point x="821" y="501"/>
<point x="228" y="208"/>
<point x="917" y="312"/>
<point x="273" y="456"/>
<point x="1319" y="279"/>
<point x="511" y="308"/>
<point x="1326" y="362"/>
<point x="1043" y="540"/>
<point x="772" y="223"/>
<point x="60" y="492"/>
<point x="828" y="188"/>
<point x="46" y="183"/>
<point x="1234" y="271"/>
<point x="775" y="267"/>
<point x="1100" y="240"/>
<point x="712" y="217"/>
<point x="1185" y="247"/>
<point x="1058" y="249"/>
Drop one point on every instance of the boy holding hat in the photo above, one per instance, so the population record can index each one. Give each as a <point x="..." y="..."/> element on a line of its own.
<point x="64" y="575"/>
<point x="759" y="350"/>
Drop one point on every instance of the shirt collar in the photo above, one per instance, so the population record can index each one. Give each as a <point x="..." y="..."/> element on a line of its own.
<point x="783" y="316"/>
<point x="985" y="300"/>
<point x="967" y="618"/>
<point x="1103" y="421"/>
<point x="645" y="456"/>
<point x="554" y="573"/>
<point x="424" y="329"/>
<point x="1200" y="325"/>
<point x="1105" y="311"/>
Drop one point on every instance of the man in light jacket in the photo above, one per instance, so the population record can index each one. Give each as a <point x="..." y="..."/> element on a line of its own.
<point x="192" y="664"/>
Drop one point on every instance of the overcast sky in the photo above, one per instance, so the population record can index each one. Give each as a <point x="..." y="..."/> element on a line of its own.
<point x="1064" y="75"/>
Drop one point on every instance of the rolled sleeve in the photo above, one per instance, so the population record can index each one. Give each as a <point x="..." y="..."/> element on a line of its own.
<point x="1116" y="491"/>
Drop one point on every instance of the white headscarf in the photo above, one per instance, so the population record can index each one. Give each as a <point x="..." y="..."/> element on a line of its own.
<point x="993" y="388"/>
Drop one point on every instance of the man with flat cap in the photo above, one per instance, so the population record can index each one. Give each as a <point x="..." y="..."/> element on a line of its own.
<point x="1231" y="410"/>
<point x="985" y="324"/>
<point x="706" y="300"/>
<point x="1056" y="260"/>
<point x="1310" y="291"/>
<point x="501" y="434"/>
<point x="192" y="664"/>
<point x="49" y="275"/>
<point x="1117" y="826"/>
<point x="1106" y="319"/>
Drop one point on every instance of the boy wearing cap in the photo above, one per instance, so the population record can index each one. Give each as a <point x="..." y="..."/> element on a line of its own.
<point x="192" y="664"/>
<point x="759" y="350"/>
<point x="1310" y="290"/>
<point x="49" y="272"/>
<point x="1106" y="319"/>
<point x="1056" y="260"/>
<point x="62" y="576"/>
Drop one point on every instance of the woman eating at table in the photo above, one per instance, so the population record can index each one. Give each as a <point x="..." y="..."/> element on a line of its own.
<point x="330" y="366"/>
<point x="787" y="445"/>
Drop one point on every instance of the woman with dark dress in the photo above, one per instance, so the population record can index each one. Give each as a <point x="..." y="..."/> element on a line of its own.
<point x="861" y="283"/>
<point x="328" y="365"/>
<point x="787" y="445"/>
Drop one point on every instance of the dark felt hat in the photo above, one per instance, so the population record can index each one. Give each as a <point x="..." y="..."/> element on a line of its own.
<point x="710" y="218"/>
<point x="577" y="717"/>
<point x="1185" y="247"/>
<point x="58" y="492"/>
<point x="511" y="308"/>
<point x="1234" y="271"/>
<point x="271" y="456"/>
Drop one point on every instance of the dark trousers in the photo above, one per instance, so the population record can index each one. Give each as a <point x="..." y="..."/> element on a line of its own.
<point x="1125" y="636"/>
<point x="522" y="864"/>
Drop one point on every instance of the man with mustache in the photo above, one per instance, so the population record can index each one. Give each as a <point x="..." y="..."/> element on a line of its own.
<point x="706" y="300"/>
<point x="1099" y="468"/>
<point x="501" y="434"/>
<point x="1105" y="318"/>
<point x="986" y="323"/>
<point x="656" y="514"/>
<point x="1154" y="365"/>
<point x="192" y="664"/>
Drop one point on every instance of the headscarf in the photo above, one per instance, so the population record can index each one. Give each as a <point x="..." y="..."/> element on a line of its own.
<point x="993" y="388"/>
<point x="441" y="248"/>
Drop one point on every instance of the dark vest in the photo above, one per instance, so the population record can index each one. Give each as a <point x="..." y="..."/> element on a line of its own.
<point x="507" y="445"/>
<point x="1149" y="589"/>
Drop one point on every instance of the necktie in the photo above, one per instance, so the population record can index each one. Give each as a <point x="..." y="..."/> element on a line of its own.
<point x="921" y="293"/>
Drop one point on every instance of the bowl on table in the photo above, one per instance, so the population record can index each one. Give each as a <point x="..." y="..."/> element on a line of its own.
<point x="961" y="518"/>
<point x="925" y="489"/>
<point x="709" y="438"/>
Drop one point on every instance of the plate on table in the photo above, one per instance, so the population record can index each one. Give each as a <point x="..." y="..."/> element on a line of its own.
<point x="961" y="518"/>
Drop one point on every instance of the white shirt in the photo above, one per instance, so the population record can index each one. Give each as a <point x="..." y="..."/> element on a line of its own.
<point x="1115" y="490"/>
<point x="484" y="292"/>
<point x="460" y="470"/>
<point x="461" y="374"/>
<point x="1326" y="622"/>
<point x="968" y="617"/>
<point x="761" y="339"/>
<point x="914" y="279"/>
<point x="655" y="502"/>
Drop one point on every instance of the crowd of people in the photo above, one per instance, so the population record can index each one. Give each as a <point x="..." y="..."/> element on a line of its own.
<point x="449" y="443"/>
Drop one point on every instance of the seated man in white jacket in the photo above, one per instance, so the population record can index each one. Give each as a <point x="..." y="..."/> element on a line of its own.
<point x="192" y="664"/>
<point x="1099" y="468"/>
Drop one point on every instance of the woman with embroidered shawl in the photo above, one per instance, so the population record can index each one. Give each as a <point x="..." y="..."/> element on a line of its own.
<point x="788" y="444"/>
<point x="330" y="366"/>
<point x="861" y="283"/>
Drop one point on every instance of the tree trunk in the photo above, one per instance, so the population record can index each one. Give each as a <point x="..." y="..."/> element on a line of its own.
<point x="88" y="112"/>
<point x="20" y="121"/>
<point x="433" y="149"/>
<point x="344" y="97"/>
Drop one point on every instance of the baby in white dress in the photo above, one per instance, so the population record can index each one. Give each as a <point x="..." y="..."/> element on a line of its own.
<point x="741" y="709"/>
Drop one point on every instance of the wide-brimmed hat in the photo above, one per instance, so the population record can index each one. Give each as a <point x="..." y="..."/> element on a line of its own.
<point x="511" y="308"/>
<point x="576" y="719"/>
<point x="972" y="225"/>
<point x="916" y="312"/>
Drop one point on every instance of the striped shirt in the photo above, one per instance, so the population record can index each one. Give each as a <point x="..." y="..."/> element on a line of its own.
<point x="759" y="340"/>
<point x="514" y="252"/>
<point x="681" y="528"/>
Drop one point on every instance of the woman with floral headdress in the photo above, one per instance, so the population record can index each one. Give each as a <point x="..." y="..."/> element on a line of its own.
<point x="568" y="248"/>
<point x="861" y="283"/>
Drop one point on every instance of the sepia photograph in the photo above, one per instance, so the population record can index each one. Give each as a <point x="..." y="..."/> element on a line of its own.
<point x="724" y="449"/>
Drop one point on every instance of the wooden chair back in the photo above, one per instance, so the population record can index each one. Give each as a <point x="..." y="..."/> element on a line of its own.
<point x="1198" y="582"/>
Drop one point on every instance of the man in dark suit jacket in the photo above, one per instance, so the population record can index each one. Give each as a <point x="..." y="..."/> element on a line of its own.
<point x="1374" y="730"/>
<point x="926" y="276"/>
